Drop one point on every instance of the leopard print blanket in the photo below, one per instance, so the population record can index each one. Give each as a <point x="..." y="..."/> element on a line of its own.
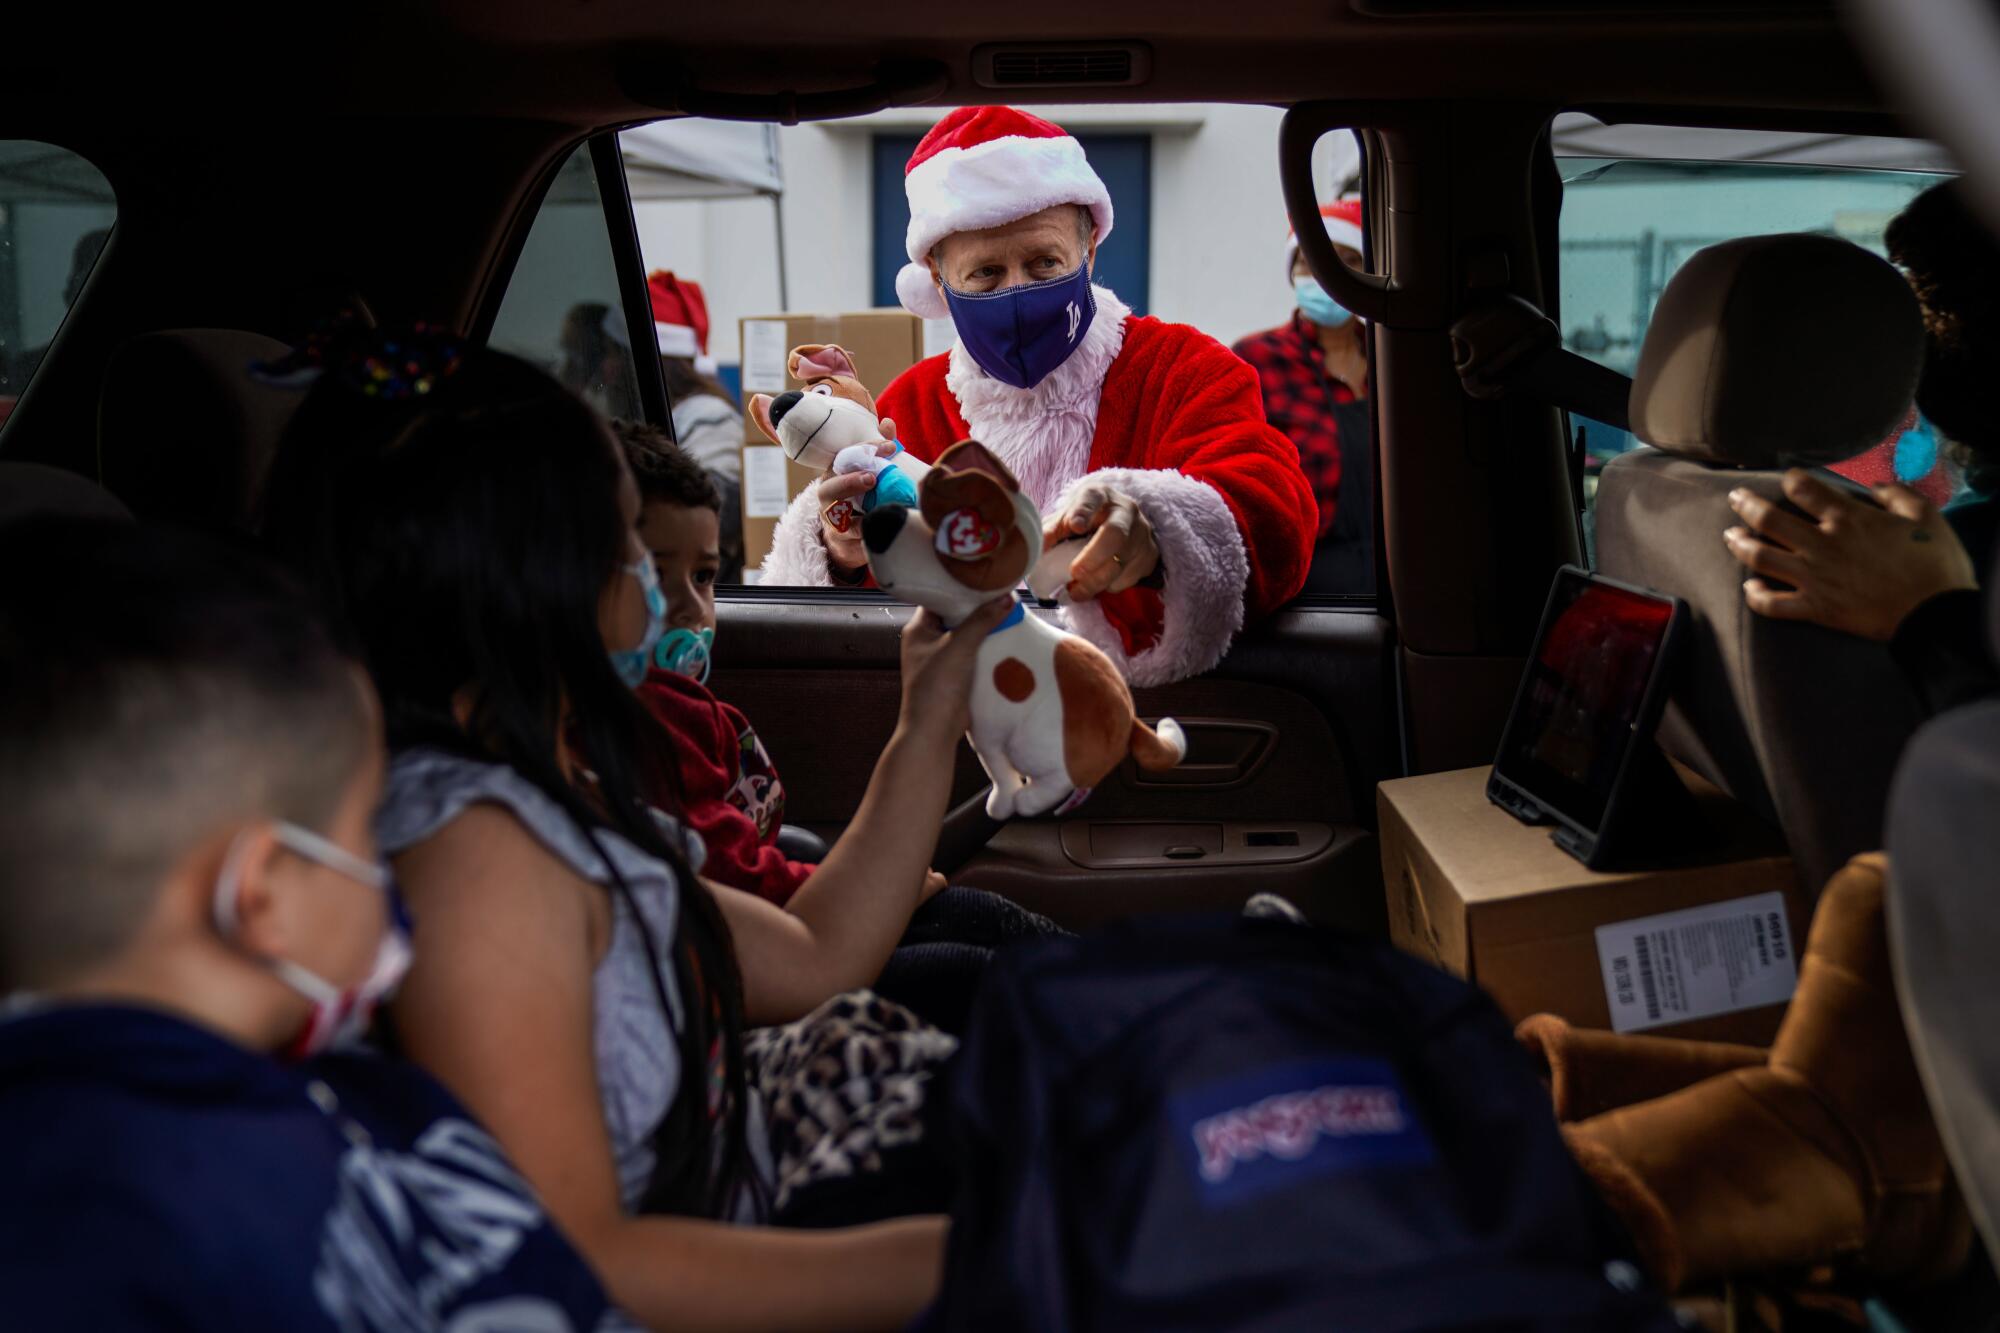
<point x="843" y="1088"/>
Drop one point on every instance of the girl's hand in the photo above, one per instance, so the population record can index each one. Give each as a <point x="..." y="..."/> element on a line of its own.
<point x="934" y="884"/>
<point x="1852" y="567"/>
<point x="937" y="668"/>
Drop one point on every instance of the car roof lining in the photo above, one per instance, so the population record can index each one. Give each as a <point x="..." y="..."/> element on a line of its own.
<point x="526" y="59"/>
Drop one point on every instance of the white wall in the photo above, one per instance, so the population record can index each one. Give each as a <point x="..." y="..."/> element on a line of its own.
<point x="1218" y="219"/>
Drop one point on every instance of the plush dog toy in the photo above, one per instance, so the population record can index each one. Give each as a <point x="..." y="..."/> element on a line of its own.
<point x="1051" y="717"/>
<point x="831" y="425"/>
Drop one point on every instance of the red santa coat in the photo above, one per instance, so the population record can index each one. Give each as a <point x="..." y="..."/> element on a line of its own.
<point x="1164" y="413"/>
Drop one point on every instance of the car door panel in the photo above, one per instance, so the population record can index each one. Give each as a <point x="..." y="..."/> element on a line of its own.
<point x="1287" y="740"/>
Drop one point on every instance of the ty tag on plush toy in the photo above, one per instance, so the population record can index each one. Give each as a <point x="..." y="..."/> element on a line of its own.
<point x="1051" y="716"/>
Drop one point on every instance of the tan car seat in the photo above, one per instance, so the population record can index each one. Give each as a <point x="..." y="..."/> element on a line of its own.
<point x="1767" y="353"/>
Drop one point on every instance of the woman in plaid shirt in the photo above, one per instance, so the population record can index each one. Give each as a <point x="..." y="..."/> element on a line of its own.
<point x="1314" y="371"/>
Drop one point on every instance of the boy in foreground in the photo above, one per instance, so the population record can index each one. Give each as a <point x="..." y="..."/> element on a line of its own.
<point x="192" y="916"/>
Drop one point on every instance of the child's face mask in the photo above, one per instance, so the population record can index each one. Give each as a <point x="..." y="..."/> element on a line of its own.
<point x="338" y="1016"/>
<point x="631" y="663"/>
<point x="686" y="652"/>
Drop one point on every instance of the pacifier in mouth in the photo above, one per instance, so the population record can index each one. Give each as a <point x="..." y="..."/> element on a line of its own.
<point x="685" y="652"/>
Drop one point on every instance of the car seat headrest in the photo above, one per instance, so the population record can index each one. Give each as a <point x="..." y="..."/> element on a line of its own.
<point x="1778" y="351"/>
<point x="32" y="490"/>
<point x="184" y="432"/>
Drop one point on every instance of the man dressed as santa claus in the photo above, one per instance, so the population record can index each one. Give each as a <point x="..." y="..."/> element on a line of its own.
<point x="1148" y="438"/>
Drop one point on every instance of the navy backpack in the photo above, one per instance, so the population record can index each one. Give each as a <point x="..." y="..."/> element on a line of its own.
<point x="1231" y="1123"/>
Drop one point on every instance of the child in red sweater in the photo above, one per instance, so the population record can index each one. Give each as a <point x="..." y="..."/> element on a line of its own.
<point x="730" y="792"/>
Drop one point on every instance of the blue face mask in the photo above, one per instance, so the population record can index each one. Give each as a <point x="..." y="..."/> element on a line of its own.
<point x="1317" y="306"/>
<point x="631" y="663"/>
<point x="685" y="652"/>
<point x="1018" y="335"/>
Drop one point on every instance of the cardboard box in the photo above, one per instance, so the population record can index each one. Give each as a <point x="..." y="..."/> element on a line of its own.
<point x="1705" y="945"/>
<point x="883" y="343"/>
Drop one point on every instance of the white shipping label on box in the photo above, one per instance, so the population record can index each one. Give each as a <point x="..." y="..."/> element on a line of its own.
<point x="764" y="482"/>
<point x="764" y="355"/>
<point x="939" y="336"/>
<point x="1699" y="962"/>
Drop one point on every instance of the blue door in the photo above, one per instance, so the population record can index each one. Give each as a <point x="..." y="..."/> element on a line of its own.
<point x="1124" y="161"/>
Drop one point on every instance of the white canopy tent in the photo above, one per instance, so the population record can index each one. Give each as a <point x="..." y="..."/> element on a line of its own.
<point x="708" y="159"/>
<point x="1578" y="135"/>
<point x="701" y="159"/>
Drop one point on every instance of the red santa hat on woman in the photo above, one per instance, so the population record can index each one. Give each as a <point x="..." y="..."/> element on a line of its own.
<point x="1343" y="226"/>
<point x="680" y="319"/>
<point x="986" y="166"/>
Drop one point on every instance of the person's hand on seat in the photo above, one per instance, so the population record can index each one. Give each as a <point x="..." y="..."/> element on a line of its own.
<point x="1852" y="566"/>
<point x="1121" y="554"/>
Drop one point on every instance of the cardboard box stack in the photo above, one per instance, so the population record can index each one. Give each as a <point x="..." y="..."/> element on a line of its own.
<point x="883" y="343"/>
<point x="1702" y="945"/>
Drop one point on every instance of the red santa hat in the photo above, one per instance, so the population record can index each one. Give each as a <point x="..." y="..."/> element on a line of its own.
<point x="680" y="315"/>
<point x="986" y="166"/>
<point x="1343" y="225"/>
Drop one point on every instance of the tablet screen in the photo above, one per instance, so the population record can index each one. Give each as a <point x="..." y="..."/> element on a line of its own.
<point x="1586" y="687"/>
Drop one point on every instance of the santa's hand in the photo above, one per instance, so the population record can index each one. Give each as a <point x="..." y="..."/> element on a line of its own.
<point x="1122" y="553"/>
<point x="840" y="518"/>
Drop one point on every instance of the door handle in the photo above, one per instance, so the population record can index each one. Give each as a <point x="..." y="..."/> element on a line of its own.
<point x="1222" y="752"/>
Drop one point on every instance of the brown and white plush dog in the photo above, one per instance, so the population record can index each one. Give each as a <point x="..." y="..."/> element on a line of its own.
<point x="1051" y="716"/>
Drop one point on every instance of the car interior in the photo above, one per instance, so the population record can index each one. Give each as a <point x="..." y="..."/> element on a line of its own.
<point x="395" y="159"/>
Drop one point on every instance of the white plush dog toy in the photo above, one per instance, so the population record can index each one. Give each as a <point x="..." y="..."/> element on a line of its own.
<point x="1051" y="717"/>
<point x="831" y="425"/>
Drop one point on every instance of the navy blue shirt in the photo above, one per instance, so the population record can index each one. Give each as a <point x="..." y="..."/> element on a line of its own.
<point x="159" y="1176"/>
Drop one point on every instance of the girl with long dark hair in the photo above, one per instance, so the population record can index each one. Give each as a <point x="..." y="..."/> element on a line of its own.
<point x="586" y="994"/>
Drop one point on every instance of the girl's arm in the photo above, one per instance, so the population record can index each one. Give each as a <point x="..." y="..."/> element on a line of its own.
<point x="839" y="928"/>
<point x="498" y="1007"/>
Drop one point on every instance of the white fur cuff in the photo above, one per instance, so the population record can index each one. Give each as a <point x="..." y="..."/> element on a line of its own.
<point x="1208" y="572"/>
<point x="798" y="555"/>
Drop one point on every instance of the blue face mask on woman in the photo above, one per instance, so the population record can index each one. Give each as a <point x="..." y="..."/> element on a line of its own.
<point x="1317" y="306"/>
<point x="1019" y="335"/>
<point x="631" y="663"/>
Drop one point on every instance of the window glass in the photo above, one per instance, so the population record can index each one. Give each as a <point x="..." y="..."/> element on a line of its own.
<point x="1628" y="224"/>
<point x="779" y="236"/>
<point x="56" y="212"/>
<point x="562" y="309"/>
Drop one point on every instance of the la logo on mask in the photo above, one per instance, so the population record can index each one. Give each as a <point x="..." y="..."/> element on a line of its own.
<point x="1018" y="335"/>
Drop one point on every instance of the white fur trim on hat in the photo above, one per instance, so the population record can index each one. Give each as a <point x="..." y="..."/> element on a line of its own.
<point x="990" y="185"/>
<point x="1339" y="230"/>
<point x="676" y="339"/>
<point x="919" y="293"/>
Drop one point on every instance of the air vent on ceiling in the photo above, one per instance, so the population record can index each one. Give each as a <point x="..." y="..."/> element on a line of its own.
<point x="1062" y="65"/>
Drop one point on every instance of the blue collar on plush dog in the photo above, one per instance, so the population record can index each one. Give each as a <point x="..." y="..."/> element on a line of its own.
<point x="1013" y="618"/>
